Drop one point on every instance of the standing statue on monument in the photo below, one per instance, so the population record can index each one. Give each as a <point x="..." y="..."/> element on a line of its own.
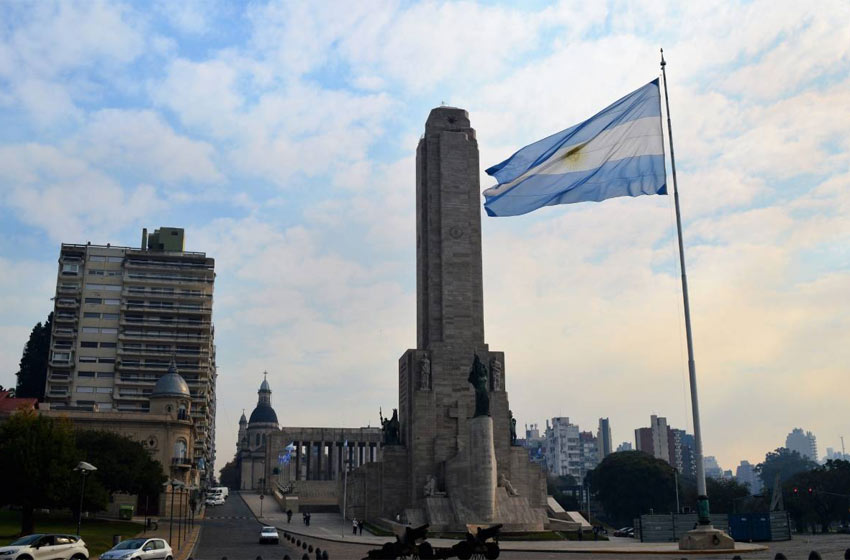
<point x="479" y="379"/>
<point x="390" y="428"/>
<point x="496" y="373"/>
<point x="512" y="422"/>
<point x="425" y="373"/>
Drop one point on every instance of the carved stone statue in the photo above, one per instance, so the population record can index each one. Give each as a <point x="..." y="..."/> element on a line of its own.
<point x="496" y="373"/>
<point x="479" y="379"/>
<point x="390" y="428"/>
<point x="425" y="373"/>
<point x="506" y="484"/>
<point x="430" y="486"/>
<point x="513" y="427"/>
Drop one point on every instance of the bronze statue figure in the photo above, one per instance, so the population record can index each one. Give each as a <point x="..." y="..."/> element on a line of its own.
<point x="479" y="379"/>
<point x="390" y="428"/>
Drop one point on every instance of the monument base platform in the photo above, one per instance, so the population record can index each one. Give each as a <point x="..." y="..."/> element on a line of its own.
<point x="706" y="537"/>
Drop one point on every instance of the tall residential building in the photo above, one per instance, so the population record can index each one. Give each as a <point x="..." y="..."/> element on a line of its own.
<point x="563" y="448"/>
<point x="589" y="451"/>
<point x="603" y="438"/>
<point x="682" y="452"/>
<point x="625" y="446"/>
<point x="804" y="443"/>
<point x="712" y="467"/>
<point x="654" y="439"/>
<point x="746" y="474"/>
<point x="121" y="314"/>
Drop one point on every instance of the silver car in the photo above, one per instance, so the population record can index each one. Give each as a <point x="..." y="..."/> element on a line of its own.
<point x="139" y="549"/>
<point x="45" y="547"/>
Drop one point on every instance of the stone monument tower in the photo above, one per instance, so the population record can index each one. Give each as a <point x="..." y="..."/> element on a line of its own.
<point x="454" y="457"/>
<point x="451" y="461"/>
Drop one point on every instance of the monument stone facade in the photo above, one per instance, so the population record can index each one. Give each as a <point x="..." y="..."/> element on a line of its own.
<point x="451" y="466"/>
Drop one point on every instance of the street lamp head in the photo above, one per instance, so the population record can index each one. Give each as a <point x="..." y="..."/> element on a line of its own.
<point x="84" y="467"/>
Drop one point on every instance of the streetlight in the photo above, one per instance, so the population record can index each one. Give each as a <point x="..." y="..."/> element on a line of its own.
<point x="84" y="469"/>
<point x="173" y="484"/>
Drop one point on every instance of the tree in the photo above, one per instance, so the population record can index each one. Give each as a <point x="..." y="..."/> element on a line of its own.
<point x="563" y="489"/>
<point x="784" y="462"/>
<point x="32" y="375"/>
<point x="725" y="494"/>
<point x="37" y="455"/>
<point x="630" y="483"/>
<point x="819" y="496"/>
<point x="230" y="475"/>
<point x="123" y="465"/>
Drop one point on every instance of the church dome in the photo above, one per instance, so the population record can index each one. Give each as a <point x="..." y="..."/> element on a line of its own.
<point x="171" y="384"/>
<point x="263" y="414"/>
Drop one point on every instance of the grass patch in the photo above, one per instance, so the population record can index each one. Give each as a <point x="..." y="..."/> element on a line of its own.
<point x="377" y="531"/>
<point x="97" y="533"/>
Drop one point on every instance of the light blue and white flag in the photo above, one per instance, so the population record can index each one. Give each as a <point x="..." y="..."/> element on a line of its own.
<point x="617" y="152"/>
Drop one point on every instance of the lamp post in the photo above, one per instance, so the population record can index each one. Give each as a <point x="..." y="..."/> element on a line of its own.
<point x="84" y="469"/>
<point x="173" y="484"/>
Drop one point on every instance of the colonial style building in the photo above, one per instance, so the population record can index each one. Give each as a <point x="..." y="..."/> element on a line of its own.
<point x="253" y="434"/>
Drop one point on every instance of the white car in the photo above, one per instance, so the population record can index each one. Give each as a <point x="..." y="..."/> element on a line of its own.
<point x="139" y="549"/>
<point x="214" y="501"/>
<point x="45" y="547"/>
<point x="269" y="535"/>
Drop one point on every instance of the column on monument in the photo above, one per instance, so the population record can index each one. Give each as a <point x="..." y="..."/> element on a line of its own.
<point x="340" y="459"/>
<point x="329" y="470"/>
<point x="372" y="452"/>
<point x="297" y="445"/>
<point x="350" y="456"/>
<point x="360" y="453"/>
<point x="308" y="448"/>
<point x="320" y="450"/>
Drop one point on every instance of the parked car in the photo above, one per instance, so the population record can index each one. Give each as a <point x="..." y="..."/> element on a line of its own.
<point x="46" y="547"/>
<point x="139" y="549"/>
<point x="625" y="532"/>
<point x="269" y="535"/>
<point x="214" y="501"/>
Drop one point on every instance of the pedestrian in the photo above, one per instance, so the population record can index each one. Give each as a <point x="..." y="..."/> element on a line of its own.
<point x="304" y="518"/>
<point x="308" y="518"/>
<point x="354" y="526"/>
<point x="288" y="515"/>
<point x="360" y="527"/>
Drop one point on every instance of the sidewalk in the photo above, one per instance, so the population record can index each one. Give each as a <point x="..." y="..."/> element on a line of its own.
<point x="331" y="527"/>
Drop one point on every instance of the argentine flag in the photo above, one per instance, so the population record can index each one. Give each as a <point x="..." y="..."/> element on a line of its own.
<point x="617" y="152"/>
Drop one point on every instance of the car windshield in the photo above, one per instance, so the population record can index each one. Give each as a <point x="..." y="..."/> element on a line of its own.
<point x="269" y="530"/>
<point x="132" y="544"/>
<point x="29" y="539"/>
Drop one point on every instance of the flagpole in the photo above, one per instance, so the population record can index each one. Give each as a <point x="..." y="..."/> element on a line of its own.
<point x="702" y="495"/>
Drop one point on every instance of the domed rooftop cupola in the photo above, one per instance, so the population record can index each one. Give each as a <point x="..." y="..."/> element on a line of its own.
<point x="264" y="413"/>
<point x="171" y="384"/>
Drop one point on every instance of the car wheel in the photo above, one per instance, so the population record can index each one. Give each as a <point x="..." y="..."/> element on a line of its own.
<point x="168" y="558"/>
<point x="79" y="557"/>
<point x="24" y="557"/>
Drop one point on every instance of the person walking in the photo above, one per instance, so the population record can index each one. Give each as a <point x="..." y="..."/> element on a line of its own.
<point x="360" y="527"/>
<point x="308" y="518"/>
<point x="354" y="526"/>
<point x="288" y="515"/>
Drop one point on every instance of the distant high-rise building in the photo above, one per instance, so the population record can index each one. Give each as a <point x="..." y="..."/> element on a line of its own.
<point x="625" y="446"/>
<point x="804" y="443"/>
<point x="654" y="440"/>
<point x="563" y="448"/>
<point x="831" y="454"/>
<point x="681" y="446"/>
<point x="746" y="474"/>
<point x="121" y="315"/>
<point x="712" y="468"/>
<point x="603" y="439"/>
<point x="589" y="452"/>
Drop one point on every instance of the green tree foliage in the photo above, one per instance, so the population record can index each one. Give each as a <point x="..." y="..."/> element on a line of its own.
<point x="32" y="375"/>
<point x="725" y="495"/>
<point x="229" y="475"/>
<point x="563" y="489"/>
<point x="123" y="465"/>
<point x="37" y="455"/>
<point x="822" y="496"/>
<point x="786" y="463"/>
<point x="630" y="483"/>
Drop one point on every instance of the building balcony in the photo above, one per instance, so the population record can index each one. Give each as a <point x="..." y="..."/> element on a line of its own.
<point x="163" y="337"/>
<point x="67" y="303"/>
<point x="146" y="322"/>
<point x="133" y="396"/>
<point x="136" y="380"/>
<point x="64" y="332"/>
<point x="200" y="355"/>
<point x="175" y="309"/>
<point x="144" y="264"/>
<point x="181" y="462"/>
<point x="174" y="295"/>
<point x="61" y="363"/>
<point x="65" y="318"/>
<point x="75" y="289"/>
<point x="167" y="280"/>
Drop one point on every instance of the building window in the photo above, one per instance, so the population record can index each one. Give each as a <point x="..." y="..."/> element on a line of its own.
<point x="91" y="330"/>
<point x="88" y="344"/>
<point x="70" y="269"/>
<point x="115" y="259"/>
<point x="106" y="360"/>
<point x="109" y="331"/>
<point x="85" y="374"/>
<point x="85" y="389"/>
<point x="61" y="356"/>
<point x="97" y="272"/>
<point x="94" y="300"/>
<point x="97" y="258"/>
<point x="180" y="449"/>
<point x="105" y="374"/>
<point x="87" y="359"/>
<point x="90" y="315"/>
<point x="111" y="301"/>
<point x="110" y="316"/>
<point x="104" y="390"/>
<point x="257" y="440"/>
<point x="108" y="344"/>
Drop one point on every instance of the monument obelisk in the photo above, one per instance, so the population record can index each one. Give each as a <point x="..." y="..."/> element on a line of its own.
<point x="454" y="456"/>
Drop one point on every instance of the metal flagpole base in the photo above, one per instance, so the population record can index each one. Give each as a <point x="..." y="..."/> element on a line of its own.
<point x="706" y="537"/>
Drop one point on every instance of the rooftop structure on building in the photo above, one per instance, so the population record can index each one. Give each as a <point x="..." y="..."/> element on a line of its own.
<point x="122" y="316"/>
<point x="804" y="443"/>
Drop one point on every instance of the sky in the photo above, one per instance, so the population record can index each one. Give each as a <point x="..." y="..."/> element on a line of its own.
<point x="282" y="137"/>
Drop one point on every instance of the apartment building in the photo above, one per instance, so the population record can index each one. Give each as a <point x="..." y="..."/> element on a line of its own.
<point x="121" y="315"/>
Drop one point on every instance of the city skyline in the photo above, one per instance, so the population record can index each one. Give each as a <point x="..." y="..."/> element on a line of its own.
<point x="281" y="137"/>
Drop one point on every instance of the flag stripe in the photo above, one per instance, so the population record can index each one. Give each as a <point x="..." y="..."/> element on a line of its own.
<point x="625" y="177"/>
